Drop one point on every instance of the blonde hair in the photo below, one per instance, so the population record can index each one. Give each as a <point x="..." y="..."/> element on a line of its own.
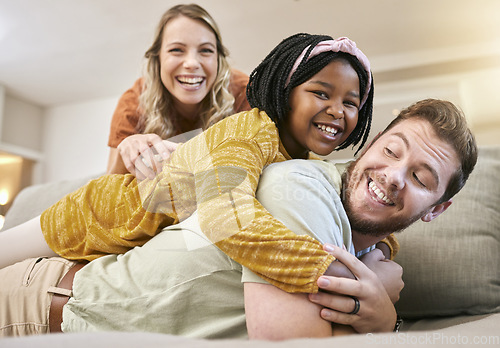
<point x="155" y="101"/>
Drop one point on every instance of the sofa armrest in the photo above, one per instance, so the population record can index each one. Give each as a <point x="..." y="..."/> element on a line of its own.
<point x="33" y="200"/>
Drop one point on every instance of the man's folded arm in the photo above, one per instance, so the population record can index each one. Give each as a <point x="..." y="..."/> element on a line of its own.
<point x="273" y="314"/>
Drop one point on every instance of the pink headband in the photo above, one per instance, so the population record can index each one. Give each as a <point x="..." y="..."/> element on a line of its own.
<point x="342" y="44"/>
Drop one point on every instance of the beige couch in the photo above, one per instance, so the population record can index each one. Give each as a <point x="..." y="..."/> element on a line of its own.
<point x="451" y="271"/>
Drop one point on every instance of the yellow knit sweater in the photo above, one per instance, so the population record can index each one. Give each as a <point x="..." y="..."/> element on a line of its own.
<point x="217" y="173"/>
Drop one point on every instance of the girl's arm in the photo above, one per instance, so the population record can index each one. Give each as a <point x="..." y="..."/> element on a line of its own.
<point x="233" y="219"/>
<point x="222" y="168"/>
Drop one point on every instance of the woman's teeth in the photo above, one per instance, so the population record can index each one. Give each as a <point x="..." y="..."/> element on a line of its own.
<point x="190" y="80"/>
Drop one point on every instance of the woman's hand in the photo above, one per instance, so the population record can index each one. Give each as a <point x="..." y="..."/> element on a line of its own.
<point x="143" y="154"/>
<point x="376" y="310"/>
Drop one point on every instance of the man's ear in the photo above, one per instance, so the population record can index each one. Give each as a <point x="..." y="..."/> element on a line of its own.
<point x="435" y="211"/>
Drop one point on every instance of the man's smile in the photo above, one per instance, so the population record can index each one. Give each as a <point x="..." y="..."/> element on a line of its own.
<point x="377" y="194"/>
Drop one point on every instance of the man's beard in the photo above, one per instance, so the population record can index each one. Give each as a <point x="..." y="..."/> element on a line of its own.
<point x="358" y="222"/>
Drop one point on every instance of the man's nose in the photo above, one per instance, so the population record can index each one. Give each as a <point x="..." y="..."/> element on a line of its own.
<point x="395" y="176"/>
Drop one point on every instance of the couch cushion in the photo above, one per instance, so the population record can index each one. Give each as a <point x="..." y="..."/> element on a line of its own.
<point x="474" y="333"/>
<point x="33" y="200"/>
<point x="451" y="264"/>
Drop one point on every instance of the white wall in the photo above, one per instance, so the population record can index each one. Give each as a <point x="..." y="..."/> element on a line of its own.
<point x="21" y="124"/>
<point x="474" y="92"/>
<point x="2" y="108"/>
<point x="20" y="130"/>
<point x="75" y="138"/>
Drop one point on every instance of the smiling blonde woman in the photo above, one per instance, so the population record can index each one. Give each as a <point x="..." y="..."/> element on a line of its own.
<point x="187" y="84"/>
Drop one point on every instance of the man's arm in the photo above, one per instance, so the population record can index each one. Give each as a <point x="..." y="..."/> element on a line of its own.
<point x="273" y="314"/>
<point x="376" y="313"/>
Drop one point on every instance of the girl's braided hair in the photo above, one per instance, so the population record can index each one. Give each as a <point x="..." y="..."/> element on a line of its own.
<point x="268" y="89"/>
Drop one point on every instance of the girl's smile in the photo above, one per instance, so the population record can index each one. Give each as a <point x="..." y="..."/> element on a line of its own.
<point x="324" y="111"/>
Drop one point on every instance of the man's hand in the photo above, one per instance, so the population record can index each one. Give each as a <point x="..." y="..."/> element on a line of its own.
<point x="376" y="312"/>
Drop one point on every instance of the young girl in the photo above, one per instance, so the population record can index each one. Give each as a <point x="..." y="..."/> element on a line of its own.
<point x="311" y="93"/>
<point x="187" y="84"/>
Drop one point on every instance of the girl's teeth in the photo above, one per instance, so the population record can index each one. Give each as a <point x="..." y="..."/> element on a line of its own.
<point x="327" y="129"/>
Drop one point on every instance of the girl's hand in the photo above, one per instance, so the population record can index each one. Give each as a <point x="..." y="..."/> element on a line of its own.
<point x="144" y="154"/>
<point x="376" y="311"/>
<point x="389" y="272"/>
